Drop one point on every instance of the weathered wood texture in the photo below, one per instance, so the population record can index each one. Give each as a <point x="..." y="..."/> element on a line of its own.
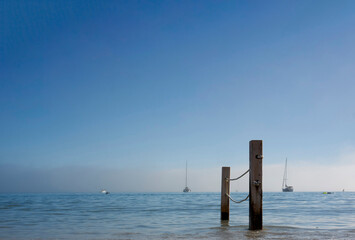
<point x="225" y="189"/>
<point x="256" y="185"/>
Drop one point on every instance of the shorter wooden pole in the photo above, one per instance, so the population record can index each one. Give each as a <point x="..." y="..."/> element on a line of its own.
<point x="225" y="189"/>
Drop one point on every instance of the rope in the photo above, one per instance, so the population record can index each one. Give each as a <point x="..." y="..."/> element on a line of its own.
<point x="235" y="200"/>
<point x="238" y="177"/>
<point x="233" y="179"/>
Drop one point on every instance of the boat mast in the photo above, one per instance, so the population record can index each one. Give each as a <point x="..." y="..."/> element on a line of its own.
<point x="186" y="176"/>
<point x="284" y="183"/>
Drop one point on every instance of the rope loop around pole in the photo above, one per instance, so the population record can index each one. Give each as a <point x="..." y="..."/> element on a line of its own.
<point x="233" y="179"/>
<point x="235" y="200"/>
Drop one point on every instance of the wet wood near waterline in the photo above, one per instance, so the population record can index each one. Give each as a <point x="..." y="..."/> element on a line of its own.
<point x="225" y="189"/>
<point x="255" y="185"/>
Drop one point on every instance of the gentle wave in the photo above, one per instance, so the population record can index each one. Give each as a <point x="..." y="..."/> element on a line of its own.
<point x="173" y="216"/>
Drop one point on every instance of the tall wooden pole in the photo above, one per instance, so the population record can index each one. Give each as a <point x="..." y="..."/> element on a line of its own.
<point x="255" y="185"/>
<point x="225" y="189"/>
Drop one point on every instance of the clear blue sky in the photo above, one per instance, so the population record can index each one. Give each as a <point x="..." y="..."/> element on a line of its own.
<point x="152" y="84"/>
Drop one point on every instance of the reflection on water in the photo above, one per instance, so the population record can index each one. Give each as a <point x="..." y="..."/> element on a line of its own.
<point x="174" y="216"/>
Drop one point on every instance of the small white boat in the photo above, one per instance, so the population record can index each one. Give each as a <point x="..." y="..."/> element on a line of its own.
<point x="285" y="187"/>
<point x="186" y="189"/>
<point x="104" y="192"/>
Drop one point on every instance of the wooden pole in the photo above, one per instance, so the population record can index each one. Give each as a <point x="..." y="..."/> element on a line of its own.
<point x="255" y="185"/>
<point x="225" y="189"/>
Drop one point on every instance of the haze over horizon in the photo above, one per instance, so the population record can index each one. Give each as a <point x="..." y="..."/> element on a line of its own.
<point x="120" y="94"/>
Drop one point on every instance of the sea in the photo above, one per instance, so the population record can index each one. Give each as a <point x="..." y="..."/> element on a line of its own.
<point x="297" y="215"/>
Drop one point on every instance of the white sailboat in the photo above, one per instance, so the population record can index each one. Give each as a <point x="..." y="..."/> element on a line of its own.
<point x="103" y="191"/>
<point x="186" y="189"/>
<point x="285" y="187"/>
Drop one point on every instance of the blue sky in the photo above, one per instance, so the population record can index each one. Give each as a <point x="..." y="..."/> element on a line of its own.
<point x="148" y="85"/>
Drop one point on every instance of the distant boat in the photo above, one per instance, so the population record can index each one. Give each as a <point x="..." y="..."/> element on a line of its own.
<point x="285" y="187"/>
<point x="186" y="189"/>
<point x="104" y="192"/>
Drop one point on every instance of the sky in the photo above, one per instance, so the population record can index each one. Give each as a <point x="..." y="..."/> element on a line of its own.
<point x="121" y="94"/>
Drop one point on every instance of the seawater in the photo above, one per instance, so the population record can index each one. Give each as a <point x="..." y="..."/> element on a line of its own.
<point x="174" y="216"/>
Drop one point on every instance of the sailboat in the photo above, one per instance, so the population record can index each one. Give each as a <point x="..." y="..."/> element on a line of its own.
<point x="285" y="187"/>
<point x="186" y="189"/>
<point x="103" y="191"/>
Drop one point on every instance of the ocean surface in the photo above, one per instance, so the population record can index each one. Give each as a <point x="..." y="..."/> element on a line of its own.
<point x="174" y="216"/>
